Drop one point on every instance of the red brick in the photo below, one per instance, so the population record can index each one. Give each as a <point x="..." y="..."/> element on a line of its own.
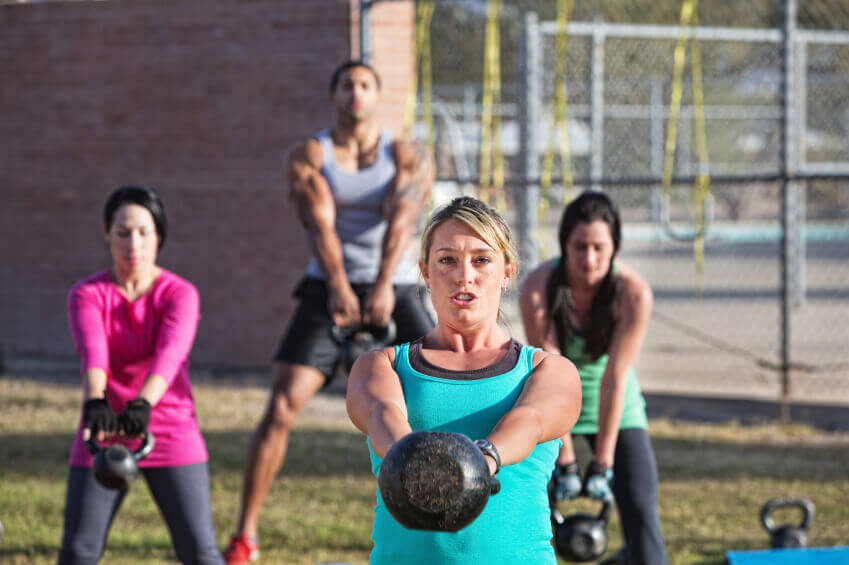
<point x="197" y="98"/>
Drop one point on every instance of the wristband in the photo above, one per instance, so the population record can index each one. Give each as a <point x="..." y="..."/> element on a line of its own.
<point x="487" y="448"/>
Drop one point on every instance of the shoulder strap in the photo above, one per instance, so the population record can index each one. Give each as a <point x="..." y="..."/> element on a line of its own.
<point x="326" y="140"/>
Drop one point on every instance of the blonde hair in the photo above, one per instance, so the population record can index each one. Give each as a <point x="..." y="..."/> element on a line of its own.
<point x="481" y="219"/>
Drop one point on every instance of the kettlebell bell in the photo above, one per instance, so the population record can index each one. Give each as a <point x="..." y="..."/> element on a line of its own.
<point x="357" y="340"/>
<point x="115" y="466"/>
<point x="435" y="481"/>
<point x="580" y="537"/>
<point x="788" y="535"/>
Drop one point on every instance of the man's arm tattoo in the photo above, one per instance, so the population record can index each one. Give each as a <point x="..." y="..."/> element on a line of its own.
<point x="415" y="187"/>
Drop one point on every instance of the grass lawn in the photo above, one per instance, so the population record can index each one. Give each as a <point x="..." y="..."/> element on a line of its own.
<point x="714" y="479"/>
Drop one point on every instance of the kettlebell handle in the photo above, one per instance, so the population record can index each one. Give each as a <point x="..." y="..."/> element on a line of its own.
<point x="382" y="335"/>
<point x="143" y="450"/>
<point x="557" y="516"/>
<point x="807" y="511"/>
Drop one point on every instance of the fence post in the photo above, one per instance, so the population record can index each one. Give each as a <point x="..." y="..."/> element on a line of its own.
<point x="788" y="201"/>
<point x="597" y="105"/>
<point x="365" y="30"/>
<point x="527" y="199"/>
<point x="799" y="62"/>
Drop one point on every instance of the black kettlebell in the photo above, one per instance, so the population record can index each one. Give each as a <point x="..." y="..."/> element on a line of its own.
<point x="788" y="535"/>
<point x="115" y="466"/>
<point x="580" y="537"/>
<point x="357" y="340"/>
<point x="435" y="481"/>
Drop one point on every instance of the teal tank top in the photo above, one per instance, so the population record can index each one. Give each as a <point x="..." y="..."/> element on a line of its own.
<point x="591" y="371"/>
<point x="515" y="526"/>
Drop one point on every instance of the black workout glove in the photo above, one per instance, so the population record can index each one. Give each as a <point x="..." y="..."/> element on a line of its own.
<point x="98" y="416"/>
<point x="134" y="419"/>
<point x="597" y="481"/>
<point x="566" y="482"/>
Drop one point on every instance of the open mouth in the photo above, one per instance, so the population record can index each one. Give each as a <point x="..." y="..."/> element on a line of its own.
<point x="463" y="298"/>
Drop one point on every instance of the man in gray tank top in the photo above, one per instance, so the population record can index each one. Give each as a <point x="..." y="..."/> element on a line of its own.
<point x="358" y="193"/>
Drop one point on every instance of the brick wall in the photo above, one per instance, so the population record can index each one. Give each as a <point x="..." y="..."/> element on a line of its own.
<point x="196" y="98"/>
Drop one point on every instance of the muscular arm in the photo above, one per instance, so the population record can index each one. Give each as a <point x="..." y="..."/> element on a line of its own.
<point x="375" y="400"/>
<point x="634" y="314"/>
<point x="547" y="409"/>
<point x="317" y="211"/>
<point x="404" y="201"/>
<point x="401" y="207"/>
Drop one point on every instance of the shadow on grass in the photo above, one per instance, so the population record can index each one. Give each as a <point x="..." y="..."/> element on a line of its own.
<point x="312" y="452"/>
<point x="126" y="552"/>
<point x="328" y="453"/>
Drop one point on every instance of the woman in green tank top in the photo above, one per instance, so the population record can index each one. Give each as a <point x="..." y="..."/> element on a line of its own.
<point x="596" y="313"/>
<point x="468" y="260"/>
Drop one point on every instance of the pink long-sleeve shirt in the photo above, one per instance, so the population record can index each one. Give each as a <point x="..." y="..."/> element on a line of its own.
<point x="133" y="340"/>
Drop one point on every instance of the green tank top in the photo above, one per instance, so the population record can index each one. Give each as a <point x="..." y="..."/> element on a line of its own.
<point x="515" y="526"/>
<point x="634" y="409"/>
<point x="590" y="371"/>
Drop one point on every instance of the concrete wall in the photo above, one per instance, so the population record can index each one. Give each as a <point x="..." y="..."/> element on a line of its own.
<point x="197" y="98"/>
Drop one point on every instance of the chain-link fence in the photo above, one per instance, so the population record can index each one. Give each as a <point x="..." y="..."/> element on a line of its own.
<point x="765" y="83"/>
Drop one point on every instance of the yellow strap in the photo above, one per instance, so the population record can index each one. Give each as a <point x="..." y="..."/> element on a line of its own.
<point x="422" y="64"/>
<point x="491" y="158"/>
<point x="701" y="190"/>
<point x="559" y="127"/>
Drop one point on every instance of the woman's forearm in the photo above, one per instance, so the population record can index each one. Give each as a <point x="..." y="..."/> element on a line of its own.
<point x="517" y="434"/>
<point x="610" y="406"/>
<point x="94" y="383"/>
<point x="153" y="389"/>
<point x="387" y="424"/>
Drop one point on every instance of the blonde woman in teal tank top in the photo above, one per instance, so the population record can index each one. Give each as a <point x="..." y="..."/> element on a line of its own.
<point x="468" y="376"/>
<point x="596" y="312"/>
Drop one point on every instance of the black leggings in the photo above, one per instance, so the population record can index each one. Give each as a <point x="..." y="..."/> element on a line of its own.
<point x="181" y="493"/>
<point x="635" y="490"/>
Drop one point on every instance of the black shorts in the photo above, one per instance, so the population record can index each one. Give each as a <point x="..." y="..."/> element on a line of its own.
<point x="308" y="341"/>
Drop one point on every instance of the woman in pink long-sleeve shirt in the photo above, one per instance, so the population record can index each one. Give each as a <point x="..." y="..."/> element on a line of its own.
<point x="133" y="326"/>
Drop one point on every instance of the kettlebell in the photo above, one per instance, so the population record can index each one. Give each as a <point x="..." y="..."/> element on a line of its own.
<point x="115" y="466"/>
<point x="788" y="535"/>
<point x="580" y="537"/>
<point x="357" y="340"/>
<point x="436" y="481"/>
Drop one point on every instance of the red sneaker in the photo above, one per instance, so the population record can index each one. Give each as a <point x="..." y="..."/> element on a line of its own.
<point x="241" y="550"/>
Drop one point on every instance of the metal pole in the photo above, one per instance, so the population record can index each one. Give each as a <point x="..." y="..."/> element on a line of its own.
<point x="529" y="99"/>
<point x="365" y="30"/>
<point x="656" y="137"/>
<point x="597" y="106"/>
<point x="800" y="67"/>
<point x="787" y="217"/>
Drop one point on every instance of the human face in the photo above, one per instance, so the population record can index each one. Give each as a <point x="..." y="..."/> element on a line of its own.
<point x="465" y="276"/>
<point x="589" y="251"/>
<point x="356" y="94"/>
<point x="132" y="239"/>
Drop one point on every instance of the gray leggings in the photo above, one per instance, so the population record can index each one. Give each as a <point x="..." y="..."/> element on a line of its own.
<point x="635" y="491"/>
<point x="182" y="494"/>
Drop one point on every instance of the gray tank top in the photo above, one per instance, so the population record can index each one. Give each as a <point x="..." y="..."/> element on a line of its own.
<point x="360" y="223"/>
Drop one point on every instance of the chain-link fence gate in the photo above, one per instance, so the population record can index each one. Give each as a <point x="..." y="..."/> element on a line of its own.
<point x="759" y="305"/>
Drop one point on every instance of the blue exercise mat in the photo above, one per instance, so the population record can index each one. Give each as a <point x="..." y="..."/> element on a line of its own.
<point x="807" y="556"/>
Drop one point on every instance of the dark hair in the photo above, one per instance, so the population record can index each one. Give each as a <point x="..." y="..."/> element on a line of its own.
<point x="143" y="196"/>
<point x="337" y="74"/>
<point x="588" y="207"/>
